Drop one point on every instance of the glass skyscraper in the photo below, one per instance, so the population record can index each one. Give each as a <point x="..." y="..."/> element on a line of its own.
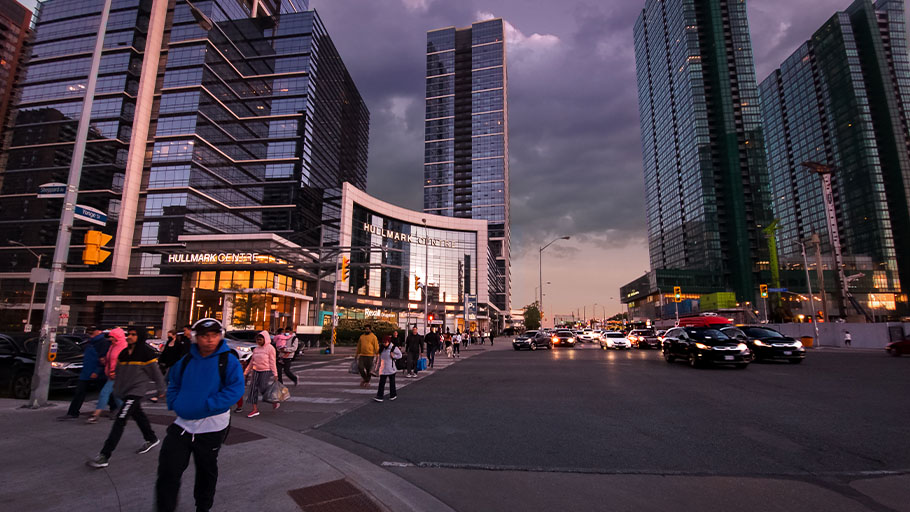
<point x="466" y="155"/>
<point x="706" y="182"/>
<point x="239" y="118"/>
<point x="842" y="100"/>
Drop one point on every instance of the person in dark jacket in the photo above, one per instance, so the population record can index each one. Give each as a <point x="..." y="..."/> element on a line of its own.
<point x="137" y="364"/>
<point x="92" y="370"/>
<point x="432" y="343"/>
<point x="414" y="347"/>
<point x="201" y="390"/>
<point x="175" y="348"/>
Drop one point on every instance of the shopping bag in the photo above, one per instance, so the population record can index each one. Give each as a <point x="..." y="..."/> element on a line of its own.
<point x="277" y="392"/>
<point x="354" y="368"/>
<point x="421" y="364"/>
<point x="375" y="371"/>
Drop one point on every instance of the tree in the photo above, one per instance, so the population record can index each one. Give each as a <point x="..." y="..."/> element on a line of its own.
<point x="618" y="317"/>
<point x="532" y="316"/>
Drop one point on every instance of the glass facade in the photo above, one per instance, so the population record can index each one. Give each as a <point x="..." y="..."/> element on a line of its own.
<point x="706" y="186"/>
<point x="466" y="161"/>
<point x="14" y="30"/>
<point x="841" y="100"/>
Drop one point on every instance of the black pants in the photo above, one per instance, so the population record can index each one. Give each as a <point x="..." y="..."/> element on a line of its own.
<point x="78" y="398"/>
<point x="431" y="356"/>
<point x="365" y="366"/>
<point x="457" y="348"/>
<point x="412" y="361"/>
<point x="284" y="366"/>
<point x="381" y="390"/>
<point x="130" y="407"/>
<point x="175" y="457"/>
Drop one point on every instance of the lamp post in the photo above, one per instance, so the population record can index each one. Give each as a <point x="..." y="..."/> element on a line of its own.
<point x="31" y="301"/>
<point x="426" y="278"/>
<point x="540" y="272"/>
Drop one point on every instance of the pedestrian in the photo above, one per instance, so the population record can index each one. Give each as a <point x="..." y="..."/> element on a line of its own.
<point x="92" y="370"/>
<point x="118" y="343"/>
<point x="201" y="391"/>
<point x="432" y="342"/>
<point x="456" y="344"/>
<point x="414" y="347"/>
<point x="262" y="371"/>
<point x="388" y="353"/>
<point x="847" y="338"/>
<point x="447" y="339"/>
<point x="491" y="338"/>
<point x="176" y="347"/>
<point x="367" y="350"/>
<point x="286" y="343"/>
<point x="137" y="364"/>
<point x="395" y="339"/>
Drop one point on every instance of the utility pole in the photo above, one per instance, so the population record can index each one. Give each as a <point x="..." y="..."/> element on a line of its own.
<point x="815" y="239"/>
<point x="818" y="342"/>
<point x="48" y="333"/>
<point x="426" y="269"/>
<point x="335" y="305"/>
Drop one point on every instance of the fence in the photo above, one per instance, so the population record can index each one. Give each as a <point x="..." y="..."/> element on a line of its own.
<point x="863" y="335"/>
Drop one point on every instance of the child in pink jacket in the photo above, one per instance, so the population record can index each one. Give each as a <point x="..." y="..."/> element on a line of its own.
<point x="262" y="371"/>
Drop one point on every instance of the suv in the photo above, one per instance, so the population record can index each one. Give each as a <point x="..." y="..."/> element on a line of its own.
<point x="705" y="345"/>
<point x="766" y="343"/>
<point x="532" y="340"/>
<point x="564" y="337"/>
<point x="644" y="338"/>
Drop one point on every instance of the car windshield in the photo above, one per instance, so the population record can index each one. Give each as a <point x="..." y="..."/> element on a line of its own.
<point x="643" y="333"/>
<point x="530" y="334"/>
<point x="706" y="333"/>
<point x="761" y="332"/>
<point x="615" y="335"/>
<point x="65" y="346"/>
<point x="249" y="336"/>
<point x="564" y="333"/>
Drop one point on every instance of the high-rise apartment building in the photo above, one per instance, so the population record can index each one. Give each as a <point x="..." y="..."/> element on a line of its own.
<point x="466" y="154"/>
<point x="704" y="164"/>
<point x="842" y="99"/>
<point x="14" y="30"/>
<point x="219" y="131"/>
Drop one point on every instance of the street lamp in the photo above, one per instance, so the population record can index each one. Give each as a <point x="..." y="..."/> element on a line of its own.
<point x="540" y="270"/>
<point x="31" y="301"/>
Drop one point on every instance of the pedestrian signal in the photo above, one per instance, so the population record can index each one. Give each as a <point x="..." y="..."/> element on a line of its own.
<point x="763" y="288"/>
<point x="93" y="253"/>
<point x="677" y="294"/>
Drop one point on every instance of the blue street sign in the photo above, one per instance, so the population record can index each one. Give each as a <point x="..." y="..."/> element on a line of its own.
<point x="89" y="214"/>
<point x="777" y="290"/>
<point x="52" y="190"/>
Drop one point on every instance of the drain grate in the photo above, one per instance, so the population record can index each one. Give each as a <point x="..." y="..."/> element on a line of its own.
<point x="335" y="496"/>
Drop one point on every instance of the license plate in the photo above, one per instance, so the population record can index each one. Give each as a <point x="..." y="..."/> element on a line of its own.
<point x="728" y="358"/>
<point x="788" y="352"/>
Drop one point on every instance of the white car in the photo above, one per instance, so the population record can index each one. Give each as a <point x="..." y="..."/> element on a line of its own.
<point x="614" y="340"/>
<point x="587" y="335"/>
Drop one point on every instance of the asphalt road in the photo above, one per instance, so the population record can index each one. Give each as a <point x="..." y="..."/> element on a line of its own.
<point x="508" y="425"/>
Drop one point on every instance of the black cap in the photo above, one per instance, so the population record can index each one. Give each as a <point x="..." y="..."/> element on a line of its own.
<point x="207" y="325"/>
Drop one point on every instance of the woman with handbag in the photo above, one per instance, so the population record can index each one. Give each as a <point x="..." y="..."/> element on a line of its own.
<point x="262" y="371"/>
<point x="388" y="353"/>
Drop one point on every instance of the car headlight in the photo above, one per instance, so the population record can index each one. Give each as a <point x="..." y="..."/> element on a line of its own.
<point x="571" y="339"/>
<point x="702" y="346"/>
<point x="741" y="347"/>
<point x="760" y="343"/>
<point x="65" y="366"/>
<point x="243" y="349"/>
<point x="797" y="344"/>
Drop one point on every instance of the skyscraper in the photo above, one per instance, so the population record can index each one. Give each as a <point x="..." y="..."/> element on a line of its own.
<point x="466" y="157"/>
<point x="14" y="23"/>
<point x="842" y="99"/>
<point x="705" y="177"/>
<point x="221" y="121"/>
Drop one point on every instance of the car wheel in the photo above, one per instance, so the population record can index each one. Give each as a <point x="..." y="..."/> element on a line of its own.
<point x="693" y="361"/>
<point x="796" y="361"/>
<point x="516" y="348"/>
<point x="533" y="346"/>
<point x="22" y="386"/>
<point x="668" y="357"/>
<point x="742" y="366"/>
<point x="894" y="352"/>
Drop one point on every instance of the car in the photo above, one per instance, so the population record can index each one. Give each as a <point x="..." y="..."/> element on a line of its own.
<point x="660" y="335"/>
<point x="767" y="343"/>
<point x="523" y="340"/>
<point x="17" y="364"/>
<point x="898" y="348"/>
<point x="702" y="346"/>
<point x="247" y="335"/>
<point x="643" y="339"/>
<point x="615" y="340"/>
<point x="705" y="320"/>
<point x="540" y="339"/>
<point x="156" y="344"/>
<point x="563" y="338"/>
<point x="244" y="349"/>
<point x="587" y="335"/>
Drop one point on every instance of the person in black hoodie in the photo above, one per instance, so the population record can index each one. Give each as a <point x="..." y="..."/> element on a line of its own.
<point x="432" y="342"/>
<point x="137" y="364"/>
<point x="414" y="346"/>
<point x="175" y="348"/>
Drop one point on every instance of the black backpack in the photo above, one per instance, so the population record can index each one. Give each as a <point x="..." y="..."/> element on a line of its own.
<point x="222" y="364"/>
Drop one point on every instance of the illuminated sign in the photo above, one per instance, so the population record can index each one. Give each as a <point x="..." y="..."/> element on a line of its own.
<point x="234" y="258"/>
<point x="402" y="237"/>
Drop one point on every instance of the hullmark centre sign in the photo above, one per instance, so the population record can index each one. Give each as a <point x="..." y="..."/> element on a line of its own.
<point x="411" y="239"/>
<point x="209" y="258"/>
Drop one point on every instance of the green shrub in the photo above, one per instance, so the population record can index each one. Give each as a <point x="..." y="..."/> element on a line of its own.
<point x="350" y="329"/>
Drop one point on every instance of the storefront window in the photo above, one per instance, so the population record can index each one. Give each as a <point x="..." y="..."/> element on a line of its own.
<point x="262" y="279"/>
<point x="205" y="280"/>
<point x="240" y="279"/>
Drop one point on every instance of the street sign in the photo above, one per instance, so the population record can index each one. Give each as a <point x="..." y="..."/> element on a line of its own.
<point x="28" y="328"/>
<point x="52" y="190"/>
<point x="777" y="290"/>
<point x="39" y="275"/>
<point x="89" y="214"/>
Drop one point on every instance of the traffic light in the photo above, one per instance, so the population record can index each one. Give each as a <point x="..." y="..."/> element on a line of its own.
<point x="93" y="253"/>
<point x="345" y="271"/>
<point x="677" y="294"/>
<point x="430" y="318"/>
<point x="763" y="288"/>
<point x="417" y="283"/>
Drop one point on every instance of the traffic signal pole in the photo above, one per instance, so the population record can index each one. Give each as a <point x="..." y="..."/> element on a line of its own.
<point x="48" y="333"/>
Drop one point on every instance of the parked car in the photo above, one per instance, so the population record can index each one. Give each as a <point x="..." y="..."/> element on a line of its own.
<point x="767" y="343"/>
<point x="704" y="345"/>
<point x="643" y="339"/>
<point x="615" y="340"/>
<point x="563" y="338"/>
<point x="17" y="364"/>
<point x="898" y="348"/>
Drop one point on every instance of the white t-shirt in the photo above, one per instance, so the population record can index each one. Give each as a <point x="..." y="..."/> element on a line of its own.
<point x="214" y="423"/>
<point x="457" y="338"/>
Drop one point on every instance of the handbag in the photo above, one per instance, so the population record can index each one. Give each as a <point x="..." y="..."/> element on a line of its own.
<point x="375" y="371"/>
<point x="353" y="369"/>
<point x="276" y="393"/>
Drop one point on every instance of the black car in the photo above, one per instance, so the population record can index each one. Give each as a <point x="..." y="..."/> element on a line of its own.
<point x="17" y="364"/>
<point x="532" y="340"/>
<point x="644" y="339"/>
<point x="767" y="344"/>
<point x="563" y="338"/>
<point x="703" y="346"/>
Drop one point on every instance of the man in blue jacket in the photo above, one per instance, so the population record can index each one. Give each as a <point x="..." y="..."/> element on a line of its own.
<point x="92" y="370"/>
<point x="201" y="389"/>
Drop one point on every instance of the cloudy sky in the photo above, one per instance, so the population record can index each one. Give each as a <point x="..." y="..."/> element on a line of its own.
<point x="574" y="137"/>
<point x="573" y="114"/>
